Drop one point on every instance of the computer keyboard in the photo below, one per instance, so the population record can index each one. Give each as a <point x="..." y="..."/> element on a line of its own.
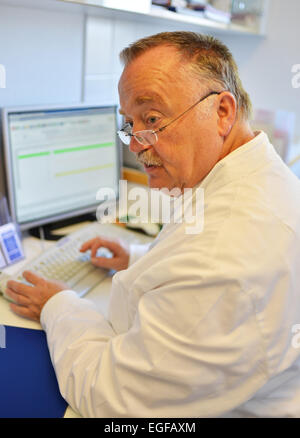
<point x="64" y="262"/>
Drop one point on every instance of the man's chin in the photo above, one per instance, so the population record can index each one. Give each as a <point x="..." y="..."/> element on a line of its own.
<point x="155" y="173"/>
<point x="157" y="177"/>
<point x="158" y="182"/>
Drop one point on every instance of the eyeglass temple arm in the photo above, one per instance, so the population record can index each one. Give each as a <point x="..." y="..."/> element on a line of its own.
<point x="191" y="107"/>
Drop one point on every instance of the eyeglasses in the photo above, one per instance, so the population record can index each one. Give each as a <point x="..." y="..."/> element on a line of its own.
<point x="148" y="137"/>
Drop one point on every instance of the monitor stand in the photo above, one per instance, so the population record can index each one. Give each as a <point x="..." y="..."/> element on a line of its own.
<point x="46" y="231"/>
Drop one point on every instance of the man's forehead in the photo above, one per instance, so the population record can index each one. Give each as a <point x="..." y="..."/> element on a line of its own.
<point x="150" y="97"/>
<point x="156" y="64"/>
<point x="156" y="88"/>
<point x="144" y="81"/>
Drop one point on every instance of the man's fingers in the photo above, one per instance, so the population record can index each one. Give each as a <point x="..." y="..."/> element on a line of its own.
<point x="102" y="262"/>
<point x="23" y="311"/>
<point x="93" y="243"/>
<point x="33" y="278"/>
<point x="114" y="247"/>
<point x="24" y="289"/>
<point x="30" y="300"/>
<point x="97" y="242"/>
<point x="17" y="298"/>
<point x="87" y="245"/>
<point x="19" y="288"/>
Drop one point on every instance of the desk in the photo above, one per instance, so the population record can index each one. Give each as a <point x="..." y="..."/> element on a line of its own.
<point x="98" y="295"/>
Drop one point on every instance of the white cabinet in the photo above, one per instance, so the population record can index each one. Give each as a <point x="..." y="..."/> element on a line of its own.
<point x="248" y="16"/>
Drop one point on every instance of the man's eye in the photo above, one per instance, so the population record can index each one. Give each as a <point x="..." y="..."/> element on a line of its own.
<point x="152" y="120"/>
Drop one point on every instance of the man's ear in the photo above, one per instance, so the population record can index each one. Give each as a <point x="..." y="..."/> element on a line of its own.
<point x="227" y="113"/>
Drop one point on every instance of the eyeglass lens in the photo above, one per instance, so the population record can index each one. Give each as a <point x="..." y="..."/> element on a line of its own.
<point x="146" y="138"/>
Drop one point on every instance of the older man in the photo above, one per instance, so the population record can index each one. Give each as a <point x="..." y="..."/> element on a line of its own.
<point x="201" y="325"/>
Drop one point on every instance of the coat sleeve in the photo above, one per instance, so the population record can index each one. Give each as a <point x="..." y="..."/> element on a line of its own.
<point x="200" y="356"/>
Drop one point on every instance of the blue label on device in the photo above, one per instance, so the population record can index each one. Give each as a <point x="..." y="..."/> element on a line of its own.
<point x="11" y="246"/>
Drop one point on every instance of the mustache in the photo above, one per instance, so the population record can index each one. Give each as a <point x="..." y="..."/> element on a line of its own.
<point x="146" y="157"/>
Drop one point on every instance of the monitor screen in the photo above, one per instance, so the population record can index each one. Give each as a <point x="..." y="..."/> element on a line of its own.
<point x="57" y="159"/>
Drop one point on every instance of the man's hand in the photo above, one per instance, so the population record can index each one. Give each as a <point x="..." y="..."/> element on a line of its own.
<point x="29" y="300"/>
<point x="120" y="258"/>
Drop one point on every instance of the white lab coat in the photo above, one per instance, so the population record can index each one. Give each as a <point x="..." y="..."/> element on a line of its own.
<point x="201" y="325"/>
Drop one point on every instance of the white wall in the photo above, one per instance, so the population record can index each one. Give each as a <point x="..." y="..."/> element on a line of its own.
<point x="105" y="38"/>
<point x="42" y="52"/>
<point x="265" y="64"/>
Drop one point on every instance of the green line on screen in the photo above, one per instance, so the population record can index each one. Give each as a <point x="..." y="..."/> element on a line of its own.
<point x="82" y="148"/>
<point x="36" y="154"/>
<point x="87" y="169"/>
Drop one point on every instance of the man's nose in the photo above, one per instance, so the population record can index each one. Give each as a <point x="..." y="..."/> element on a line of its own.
<point x="136" y="146"/>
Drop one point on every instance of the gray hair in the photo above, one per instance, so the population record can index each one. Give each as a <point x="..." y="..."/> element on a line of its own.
<point x="209" y="58"/>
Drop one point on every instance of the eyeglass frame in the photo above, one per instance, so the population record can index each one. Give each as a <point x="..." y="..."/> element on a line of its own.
<point x="133" y="134"/>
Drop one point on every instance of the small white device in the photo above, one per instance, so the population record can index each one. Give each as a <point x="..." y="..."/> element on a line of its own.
<point x="10" y="245"/>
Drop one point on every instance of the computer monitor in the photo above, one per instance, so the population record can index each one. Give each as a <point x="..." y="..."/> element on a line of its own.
<point x="57" y="158"/>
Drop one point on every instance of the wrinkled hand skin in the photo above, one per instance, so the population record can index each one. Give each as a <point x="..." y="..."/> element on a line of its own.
<point x="120" y="258"/>
<point x="30" y="300"/>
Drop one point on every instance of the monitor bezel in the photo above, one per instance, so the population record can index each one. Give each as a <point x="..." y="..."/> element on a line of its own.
<point x="8" y="162"/>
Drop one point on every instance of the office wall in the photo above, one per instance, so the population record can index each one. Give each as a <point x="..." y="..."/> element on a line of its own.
<point x="105" y="38"/>
<point x="42" y="52"/>
<point x="265" y="64"/>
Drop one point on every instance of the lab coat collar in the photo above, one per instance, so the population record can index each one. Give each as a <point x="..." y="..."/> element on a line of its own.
<point x="242" y="161"/>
